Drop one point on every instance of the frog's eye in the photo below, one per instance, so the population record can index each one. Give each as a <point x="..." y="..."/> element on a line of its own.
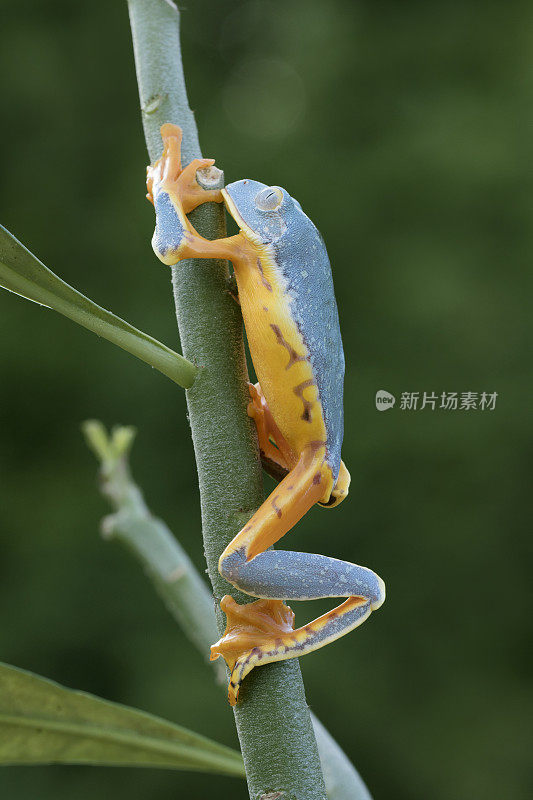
<point x="269" y="198"/>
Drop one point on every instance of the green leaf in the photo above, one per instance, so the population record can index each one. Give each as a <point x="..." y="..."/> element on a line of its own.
<point x="22" y="273"/>
<point x="44" y="723"/>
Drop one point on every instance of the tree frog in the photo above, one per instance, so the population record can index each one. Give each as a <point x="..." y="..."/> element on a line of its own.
<point x="285" y="289"/>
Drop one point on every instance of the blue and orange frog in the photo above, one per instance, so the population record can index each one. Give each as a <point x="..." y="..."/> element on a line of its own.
<point x="290" y="315"/>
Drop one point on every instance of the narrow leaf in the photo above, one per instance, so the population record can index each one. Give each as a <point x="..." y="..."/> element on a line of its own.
<point x="22" y="273"/>
<point x="41" y="722"/>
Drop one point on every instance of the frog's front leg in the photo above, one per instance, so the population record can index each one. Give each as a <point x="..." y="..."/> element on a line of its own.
<point x="261" y="632"/>
<point x="175" y="192"/>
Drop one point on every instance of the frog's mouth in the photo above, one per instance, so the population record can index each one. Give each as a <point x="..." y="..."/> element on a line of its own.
<point x="250" y="234"/>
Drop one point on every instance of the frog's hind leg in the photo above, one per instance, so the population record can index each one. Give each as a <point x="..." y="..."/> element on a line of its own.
<point x="261" y="632"/>
<point x="305" y="485"/>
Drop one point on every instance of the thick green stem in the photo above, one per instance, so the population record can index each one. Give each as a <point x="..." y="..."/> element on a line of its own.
<point x="273" y="722"/>
<point x="180" y="585"/>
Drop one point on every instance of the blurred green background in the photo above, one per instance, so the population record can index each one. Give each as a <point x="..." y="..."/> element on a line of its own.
<point x="405" y="130"/>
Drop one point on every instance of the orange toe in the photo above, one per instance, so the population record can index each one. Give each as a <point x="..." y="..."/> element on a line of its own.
<point x="260" y="625"/>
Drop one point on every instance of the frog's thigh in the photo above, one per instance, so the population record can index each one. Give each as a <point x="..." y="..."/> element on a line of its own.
<point x="292" y="498"/>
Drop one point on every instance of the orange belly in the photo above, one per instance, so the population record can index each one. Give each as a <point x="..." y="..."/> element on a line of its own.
<point x="279" y="355"/>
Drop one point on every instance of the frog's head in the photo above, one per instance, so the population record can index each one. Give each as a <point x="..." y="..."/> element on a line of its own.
<point x="263" y="213"/>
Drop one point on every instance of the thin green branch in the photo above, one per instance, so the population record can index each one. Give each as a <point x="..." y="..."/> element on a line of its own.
<point x="273" y="722"/>
<point x="22" y="273"/>
<point x="181" y="586"/>
<point x="166" y="563"/>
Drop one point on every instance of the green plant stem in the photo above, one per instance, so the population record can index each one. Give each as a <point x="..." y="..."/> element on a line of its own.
<point x="273" y="722"/>
<point x="174" y="576"/>
<point x="181" y="586"/>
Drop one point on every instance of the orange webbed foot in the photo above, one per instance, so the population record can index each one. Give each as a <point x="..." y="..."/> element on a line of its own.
<point x="167" y="173"/>
<point x="254" y="632"/>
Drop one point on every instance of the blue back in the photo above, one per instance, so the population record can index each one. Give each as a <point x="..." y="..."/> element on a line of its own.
<point x="304" y="261"/>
